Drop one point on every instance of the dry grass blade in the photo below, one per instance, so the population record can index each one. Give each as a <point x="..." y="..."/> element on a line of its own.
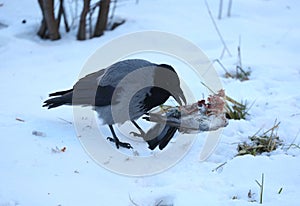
<point x="261" y="186"/>
<point x="220" y="166"/>
<point x="266" y="142"/>
<point x="293" y="142"/>
<point x="276" y="126"/>
<point x="237" y="111"/>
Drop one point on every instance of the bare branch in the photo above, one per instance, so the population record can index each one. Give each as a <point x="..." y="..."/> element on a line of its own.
<point x="220" y="9"/>
<point x="229" y="8"/>
<point x="217" y="29"/>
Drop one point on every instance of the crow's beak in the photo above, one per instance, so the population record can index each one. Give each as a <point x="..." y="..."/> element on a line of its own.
<point x="179" y="97"/>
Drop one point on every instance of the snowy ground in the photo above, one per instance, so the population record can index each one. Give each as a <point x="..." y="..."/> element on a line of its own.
<point x="33" y="174"/>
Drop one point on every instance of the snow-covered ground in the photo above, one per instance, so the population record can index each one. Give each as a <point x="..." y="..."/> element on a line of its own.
<point x="32" y="172"/>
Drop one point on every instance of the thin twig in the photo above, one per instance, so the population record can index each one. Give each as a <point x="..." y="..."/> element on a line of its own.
<point x="239" y="54"/>
<point x="208" y="88"/>
<point x="222" y="53"/>
<point x="293" y="142"/>
<point x="256" y="133"/>
<point x="271" y="137"/>
<point x="159" y="203"/>
<point x="272" y="128"/>
<point x="243" y="71"/>
<point x="223" y="67"/>
<point x="295" y="145"/>
<point x="250" y="106"/>
<point x="65" y="120"/>
<point x="20" y="120"/>
<point x="261" y="186"/>
<point x="221" y="165"/>
<point x="229" y="8"/>
<point x="220" y="9"/>
<point x="216" y="27"/>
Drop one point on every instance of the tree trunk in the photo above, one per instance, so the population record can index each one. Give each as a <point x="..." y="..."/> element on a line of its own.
<point x="102" y="18"/>
<point x="43" y="28"/>
<point x="82" y="24"/>
<point x="62" y="12"/>
<point x="51" y="23"/>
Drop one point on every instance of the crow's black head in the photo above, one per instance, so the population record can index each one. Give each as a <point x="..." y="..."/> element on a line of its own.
<point x="167" y="80"/>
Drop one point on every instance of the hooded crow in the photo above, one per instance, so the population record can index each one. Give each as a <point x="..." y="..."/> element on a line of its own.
<point x="123" y="92"/>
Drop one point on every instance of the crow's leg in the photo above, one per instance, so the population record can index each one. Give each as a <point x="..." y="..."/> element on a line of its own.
<point x="141" y="134"/>
<point x="116" y="140"/>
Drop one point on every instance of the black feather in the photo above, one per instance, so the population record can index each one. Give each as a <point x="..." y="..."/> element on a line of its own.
<point x="156" y="97"/>
<point x="65" y="99"/>
<point x="60" y="93"/>
<point x="166" y="133"/>
<point x="163" y="138"/>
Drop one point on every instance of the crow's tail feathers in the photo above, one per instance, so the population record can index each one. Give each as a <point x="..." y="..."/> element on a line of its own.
<point x="65" y="98"/>
<point x="60" y="93"/>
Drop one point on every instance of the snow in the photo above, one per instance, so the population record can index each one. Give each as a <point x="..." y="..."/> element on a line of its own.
<point x="35" y="172"/>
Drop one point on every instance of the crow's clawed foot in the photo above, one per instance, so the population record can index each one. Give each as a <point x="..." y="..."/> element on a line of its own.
<point x="119" y="143"/>
<point x="141" y="134"/>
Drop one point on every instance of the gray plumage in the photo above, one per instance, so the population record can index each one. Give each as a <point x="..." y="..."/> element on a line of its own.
<point x="123" y="91"/>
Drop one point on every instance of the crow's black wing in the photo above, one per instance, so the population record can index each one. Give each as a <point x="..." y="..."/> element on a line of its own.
<point x="87" y="91"/>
